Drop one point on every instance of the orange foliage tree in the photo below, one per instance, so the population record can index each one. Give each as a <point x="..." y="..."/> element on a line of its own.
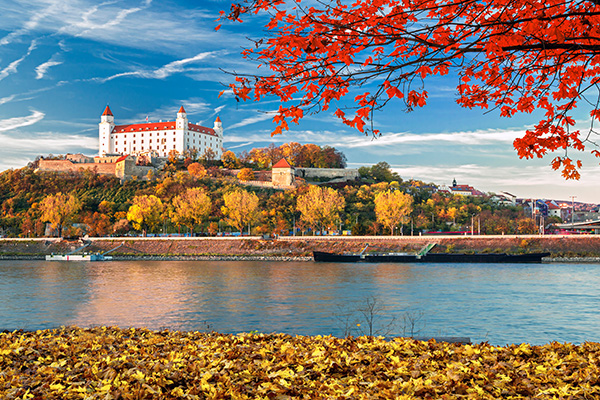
<point x="511" y="55"/>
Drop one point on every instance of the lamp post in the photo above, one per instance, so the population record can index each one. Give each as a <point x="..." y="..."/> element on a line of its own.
<point x="572" y="210"/>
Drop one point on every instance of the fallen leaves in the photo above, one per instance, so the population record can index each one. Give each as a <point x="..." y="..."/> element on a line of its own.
<point x="113" y="363"/>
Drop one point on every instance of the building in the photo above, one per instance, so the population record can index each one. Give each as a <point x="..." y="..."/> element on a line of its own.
<point x="461" y="190"/>
<point x="282" y="174"/>
<point x="159" y="138"/>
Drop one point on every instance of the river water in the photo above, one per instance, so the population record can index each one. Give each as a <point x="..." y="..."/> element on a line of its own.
<point x="498" y="303"/>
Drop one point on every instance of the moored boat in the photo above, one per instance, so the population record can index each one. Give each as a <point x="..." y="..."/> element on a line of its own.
<point x="430" y="257"/>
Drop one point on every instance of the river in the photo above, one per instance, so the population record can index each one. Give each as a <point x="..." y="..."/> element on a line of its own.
<point x="498" y="303"/>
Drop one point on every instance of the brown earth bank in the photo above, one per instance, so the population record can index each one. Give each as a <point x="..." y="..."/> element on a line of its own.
<point x="587" y="246"/>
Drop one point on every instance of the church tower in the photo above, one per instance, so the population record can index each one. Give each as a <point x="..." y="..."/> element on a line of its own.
<point x="106" y="126"/>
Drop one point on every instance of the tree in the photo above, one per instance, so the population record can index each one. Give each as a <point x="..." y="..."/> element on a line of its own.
<point x="58" y="209"/>
<point x="320" y="206"/>
<point x="98" y="224"/>
<point x="191" y="207"/>
<point x="240" y="207"/>
<point x="511" y="55"/>
<point x="197" y="170"/>
<point x="392" y="207"/>
<point x="380" y="172"/>
<point x="145" y="212"/>
<point x="229" y="160"/>
<point x="245" y="174"/>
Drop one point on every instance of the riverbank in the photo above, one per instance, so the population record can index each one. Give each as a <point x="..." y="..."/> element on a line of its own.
<point x="579" y="248"/>
<point x="139" y="363"/>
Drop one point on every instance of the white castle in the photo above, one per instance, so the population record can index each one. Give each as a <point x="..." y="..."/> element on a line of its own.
<point x="159" y="137"/>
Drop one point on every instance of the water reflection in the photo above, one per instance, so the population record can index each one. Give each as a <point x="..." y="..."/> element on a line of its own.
<point x="498" y="303"/>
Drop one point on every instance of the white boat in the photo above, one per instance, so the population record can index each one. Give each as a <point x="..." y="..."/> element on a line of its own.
<point x="82" y="257"/>
<point x="77" y="257"/>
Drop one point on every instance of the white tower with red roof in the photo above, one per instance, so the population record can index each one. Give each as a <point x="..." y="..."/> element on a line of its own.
<point x="107" y="124"/>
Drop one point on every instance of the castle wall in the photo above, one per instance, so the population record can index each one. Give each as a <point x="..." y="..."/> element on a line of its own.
<point x="69" y="166"/>
<point x="331" y="173"/>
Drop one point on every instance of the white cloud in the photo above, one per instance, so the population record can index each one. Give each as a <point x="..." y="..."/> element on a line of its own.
<point x="164" y="71"/>
<point x="254" y="119"/>
<point x="523" y="178"/>
<point x="12" y="67"/>
<point x="7" y="99"/>
<point x="480" y="137"/>
<point x="41" y="69"/>
<point x="239" y="145"/>
<point x="18" y="122"/>
<point x="49" y="142"/>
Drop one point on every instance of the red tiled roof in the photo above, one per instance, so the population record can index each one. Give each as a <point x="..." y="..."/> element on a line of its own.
<point x="181" y="110"/>
<point x="122" y="158"/>
<point x="107" y="111"/>
<point x="282" y="164"/>
<point x="218" y="119"/>
<point x="155" y="126"/>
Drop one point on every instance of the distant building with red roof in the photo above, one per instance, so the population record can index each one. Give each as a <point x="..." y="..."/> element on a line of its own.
<point x="159" y="138"/>
<point x="462" y="190"/>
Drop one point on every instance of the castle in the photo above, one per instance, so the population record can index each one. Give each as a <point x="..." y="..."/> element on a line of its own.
<point x="159" y="138"/>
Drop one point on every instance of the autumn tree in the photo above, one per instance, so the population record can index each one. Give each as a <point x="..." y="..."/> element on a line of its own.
<point x="513" y="56"/>
<point x="197" y="170"/>
<point x="320" y="206"/>
<point x="191" y="207"/>
<point x="58" y="209"/>
<point x="98" y="224"/>
<point x="230" y="160"/>
<point x="245" y="174"/>
<point x="145" y="212"/>
<point x="392" y="207"/>
<point x="240" y="207"/>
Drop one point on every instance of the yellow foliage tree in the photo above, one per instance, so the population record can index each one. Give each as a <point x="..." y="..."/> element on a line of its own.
<point x="392" y="207"/>
<point x="245" y="174"/>
<point x="145" y="212"/>
<point x="240" y="208"/>
<point x="197" y="170"/>
<point x="191" y="207"/>
<point x="59" y="208"/>
<point x="320" y="206"/>
<point x="230" y="160"/>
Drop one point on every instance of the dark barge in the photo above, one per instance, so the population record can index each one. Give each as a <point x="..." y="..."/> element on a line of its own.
<point x="429" y="257"/>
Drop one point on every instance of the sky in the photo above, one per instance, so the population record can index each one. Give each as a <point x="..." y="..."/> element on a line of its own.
<point x="63" y="61"/>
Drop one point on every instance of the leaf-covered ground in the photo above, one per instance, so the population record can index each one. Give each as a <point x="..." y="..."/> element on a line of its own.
<point x="113" y="363"/>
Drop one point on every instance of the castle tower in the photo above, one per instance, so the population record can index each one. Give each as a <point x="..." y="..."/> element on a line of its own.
<point x="218" y="127"/>
<point x="282" y="173"/>
<point x="182" y="121"/>
<point x="105" y="129"/>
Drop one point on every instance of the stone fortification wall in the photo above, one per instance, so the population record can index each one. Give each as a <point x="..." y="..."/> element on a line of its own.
<point x="69" y="166"/>
<point x="127" y="169"/>
<point x="331" y="173"/>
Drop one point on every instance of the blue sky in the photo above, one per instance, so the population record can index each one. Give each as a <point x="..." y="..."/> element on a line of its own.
<point x="63" y="61"/>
